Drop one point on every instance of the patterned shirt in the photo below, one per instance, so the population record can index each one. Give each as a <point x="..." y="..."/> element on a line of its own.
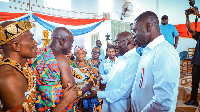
<point x="92" y="104"/>
<point x="49" y="88"/>
<point x="93" y="64"/>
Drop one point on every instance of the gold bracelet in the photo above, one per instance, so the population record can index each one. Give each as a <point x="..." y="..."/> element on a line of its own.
<point x="79" y="93"/>
<point x="85" y="95"/>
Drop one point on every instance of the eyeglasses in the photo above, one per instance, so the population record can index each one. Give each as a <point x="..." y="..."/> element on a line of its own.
<point x="95" y="52"/>
<point x="116" y="42"/>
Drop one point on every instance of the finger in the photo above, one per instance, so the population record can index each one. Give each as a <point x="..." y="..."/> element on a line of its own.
<point x="75" y="87"/>
<point x="68" y="87"/>
<point x="87" y="97"/>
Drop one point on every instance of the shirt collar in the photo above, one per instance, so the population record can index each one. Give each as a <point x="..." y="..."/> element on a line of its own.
<point x="108" y="60"/>
<point x="155" y="42"/>
<point x="130" y="53"/>
<point x="165" y="25"/>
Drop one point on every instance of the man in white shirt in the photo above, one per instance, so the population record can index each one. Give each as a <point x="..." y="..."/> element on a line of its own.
<point x="117" y="95"/>
<point x="157" y="79"/>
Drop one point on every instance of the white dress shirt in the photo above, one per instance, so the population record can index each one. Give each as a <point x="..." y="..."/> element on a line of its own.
<point x="105" y="66"/>
<point x="157" y="79"/>
<point x="102" y="56"/>
<point x="117" y="95"/>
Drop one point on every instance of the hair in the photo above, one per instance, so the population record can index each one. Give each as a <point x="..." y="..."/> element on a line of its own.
<point x="98" y="40"/>
<point x="111" y="46"/>
<point x="95" y="47"/>
<point x="150" y="17"/>
<point x="131" y="24"/>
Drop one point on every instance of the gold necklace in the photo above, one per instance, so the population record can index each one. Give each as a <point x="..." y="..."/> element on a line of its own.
<point x="15" y="65"/>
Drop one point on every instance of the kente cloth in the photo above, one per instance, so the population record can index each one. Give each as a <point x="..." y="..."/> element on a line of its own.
<point x="23" y="105"/>
<point x="49" y="90"/>
<point x="30" y="93"/>
<point x="92" y="104"/>
<point x="1" y="57"/>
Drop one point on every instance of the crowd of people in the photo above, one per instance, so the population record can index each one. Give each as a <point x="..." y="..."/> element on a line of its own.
<point x="140" y="72"/>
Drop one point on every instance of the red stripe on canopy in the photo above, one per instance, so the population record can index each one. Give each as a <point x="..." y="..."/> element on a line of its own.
<point x="5" y="16"/>
<point x="68" y="21"/>
<point x="182" y="29"/>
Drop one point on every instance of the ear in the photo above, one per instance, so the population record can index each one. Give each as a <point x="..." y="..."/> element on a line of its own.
<point x="128" y="43"/>
<point x="148" y="27"/>
<point x="16" y="46"/>
<point x="62" y="41"/>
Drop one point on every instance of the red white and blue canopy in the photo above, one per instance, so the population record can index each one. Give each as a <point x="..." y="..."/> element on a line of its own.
<point x="76" y="26"/>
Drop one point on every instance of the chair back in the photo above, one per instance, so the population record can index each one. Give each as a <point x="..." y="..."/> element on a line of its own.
<point x="183" y="55"/>
<point x="190" y="52"/>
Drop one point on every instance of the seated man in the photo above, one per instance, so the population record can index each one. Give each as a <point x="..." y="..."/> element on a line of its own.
<point x="17" y="82"/>
<point x="119" y="81"/>
<point x="53" y="71"/>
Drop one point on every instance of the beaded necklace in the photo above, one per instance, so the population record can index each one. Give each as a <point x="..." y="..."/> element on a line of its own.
<point x="15" y="65"/>
<point x="77" y="65"/>
<point x="29" y="75"/>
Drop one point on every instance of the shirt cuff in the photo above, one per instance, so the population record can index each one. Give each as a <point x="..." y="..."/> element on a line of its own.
<point x="101" y="94"/>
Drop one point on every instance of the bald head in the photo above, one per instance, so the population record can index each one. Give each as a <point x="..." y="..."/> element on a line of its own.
<point x="125" y="35"/>
<point x="146" y="28"/>
<point x="150" y="17"/>
<point x="62" y="40"/>
<point x="60" y="32"/>
<point x="124" y="42"/>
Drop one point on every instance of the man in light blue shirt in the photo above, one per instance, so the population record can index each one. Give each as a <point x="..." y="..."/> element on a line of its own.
<point x="119" y="81"/>
<point x="98" y="44"/>
<point x="106" y="65"/>
<point x="169" y="31"/>
<point x="157" y="79"/>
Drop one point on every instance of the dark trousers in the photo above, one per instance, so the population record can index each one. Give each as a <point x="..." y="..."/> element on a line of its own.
<point x="195" y="81"/>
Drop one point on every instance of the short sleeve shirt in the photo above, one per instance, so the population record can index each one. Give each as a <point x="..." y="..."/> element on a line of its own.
<point x="169" y="31"/>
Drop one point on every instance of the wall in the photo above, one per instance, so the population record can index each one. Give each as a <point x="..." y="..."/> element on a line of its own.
<point x="173" y="8"/>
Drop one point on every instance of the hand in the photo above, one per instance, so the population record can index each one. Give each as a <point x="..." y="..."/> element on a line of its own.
<point x="93" y="94"/>
<point x="70" y="94"/>
<point x="89" y="85"/>
<point x="196" y="12"/>
<point x="100" y="78"/>
<point x="94" y="70"/>
<point x="175" y="46"/>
